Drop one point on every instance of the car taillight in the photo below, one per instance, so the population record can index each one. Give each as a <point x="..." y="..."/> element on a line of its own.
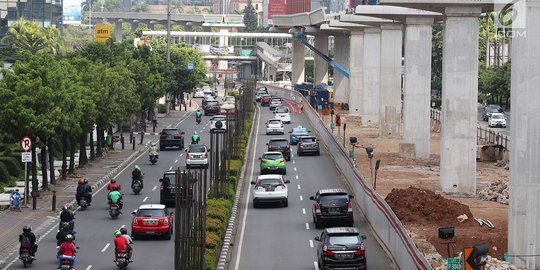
<point x="135" y="221"/>
<point x="282" y="161"/>
<point x="327" y="252"/>
<point x="163" y="136"/>
<point x="317" y="208"/>
<point x="281" y="125"/>
<point x="177" y="136"/>
<point x="286" y="148"/>
<point x="300" y="144"/>
<point x="161" y="187"/>
<point x="165" y="221"/>
<point x="349" y="208"/>
<point x="267" y="125"/>
<point x="263" y="161"/>
<point x="206" y="154"/>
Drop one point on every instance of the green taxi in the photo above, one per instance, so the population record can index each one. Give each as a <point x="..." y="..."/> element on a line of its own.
<point x="272" y="162"/>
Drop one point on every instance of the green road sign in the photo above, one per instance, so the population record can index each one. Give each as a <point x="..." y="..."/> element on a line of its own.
<point x="454" y="264"/>
<point x="246" y="53"/>
<point x="332" y="126"/>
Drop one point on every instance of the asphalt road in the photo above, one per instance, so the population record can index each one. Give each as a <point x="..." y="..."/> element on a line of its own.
<point x="484" y="124"/>
<point x="274" y="237"/>
<point x="95" y="228"/>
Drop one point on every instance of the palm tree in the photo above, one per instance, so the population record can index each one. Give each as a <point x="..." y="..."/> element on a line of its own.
<point x="30" y="37"/>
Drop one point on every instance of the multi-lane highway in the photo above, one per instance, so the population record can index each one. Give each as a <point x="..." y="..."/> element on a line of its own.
<point x="282" y="238"/>
<point x="484" y="124"/>
<point x="95" y="228"/>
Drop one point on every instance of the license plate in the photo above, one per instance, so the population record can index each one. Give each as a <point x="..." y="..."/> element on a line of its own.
<point x="344" y="256"/>
<point x="333" y="211"/>
<point x="150" y="222"/>
<point x="114" y="207"/>
<point x="273" y="168"/>
<point x="196" y="156"/>
<point x="270" y="189"/>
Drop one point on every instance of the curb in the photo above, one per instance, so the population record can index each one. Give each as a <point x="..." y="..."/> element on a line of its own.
<point x="231" y="227"/>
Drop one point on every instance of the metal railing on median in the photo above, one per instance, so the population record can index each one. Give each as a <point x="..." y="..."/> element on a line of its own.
<point x="483" y="135"/>
<point x="386" y="226"/>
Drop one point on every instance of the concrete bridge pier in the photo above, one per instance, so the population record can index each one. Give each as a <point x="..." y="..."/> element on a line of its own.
<point x="320" y="65"/>
<point x="390" y="97"/>
<point x="524" y="208"/>
<point x="298" y="56"/>
<point x="118" y="30"/>
<point x="372" y="76"/>
<point x="356" y="72"/>
<point x="341" y="56"/>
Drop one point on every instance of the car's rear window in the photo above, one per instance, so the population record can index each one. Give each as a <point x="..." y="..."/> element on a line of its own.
<point x="212" y="103"/>
<point x="303" y="132"/>
<point x="282" y="110"/>
<point x="221" y="118"/>
<point x="270" y="182"/>
<point x="343" y="239"/>
<point x="273" y="156"/>
<point x="308" y="139"/>
<point x="170" y="131"/>
<point x="279" y="143"/>
<point x="333" y="198"/>
<point x="274" y="121"/>
<point x="151" y="213"/>
<point x="197" y="148"/>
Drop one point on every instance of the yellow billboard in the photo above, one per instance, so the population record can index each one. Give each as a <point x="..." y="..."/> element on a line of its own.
<point x="103" y="32"/>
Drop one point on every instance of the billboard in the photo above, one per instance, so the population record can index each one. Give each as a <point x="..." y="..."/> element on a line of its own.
<point x="276" y="7"/>
<point x="71" y="12"/>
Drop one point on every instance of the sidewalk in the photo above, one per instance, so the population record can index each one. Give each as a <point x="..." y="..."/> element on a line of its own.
<point x="98" y="171"/>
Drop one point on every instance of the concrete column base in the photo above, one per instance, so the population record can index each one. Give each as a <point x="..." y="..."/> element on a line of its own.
<point x="407" y="150"/>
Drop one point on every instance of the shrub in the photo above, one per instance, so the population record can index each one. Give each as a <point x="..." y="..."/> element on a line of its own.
<point x="214" y="225"/>
<point x="12" y="165"/>
<point x="4" y="174"/>
<point x="210" y="262"/>
<point x="236" y="167"/>
<point x="212" y="241"/>
<point x="162" y="108"/>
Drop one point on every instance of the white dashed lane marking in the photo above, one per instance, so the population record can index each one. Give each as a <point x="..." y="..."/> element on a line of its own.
<point x="307" y="226"/>
<point x="154" y="188"/>
<point x="296" y="177"/>
<point x="106" y="246"/>
<point x="304" y="211"/>
<point x="145" y="198"/>
<point x="301" y="198"/>
<point x="311" y="243"/>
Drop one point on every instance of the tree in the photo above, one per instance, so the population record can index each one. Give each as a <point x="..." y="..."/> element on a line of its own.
<point x="28" y="36"/>
<point x="436" y="56"/>
<point x="250" y="18"/>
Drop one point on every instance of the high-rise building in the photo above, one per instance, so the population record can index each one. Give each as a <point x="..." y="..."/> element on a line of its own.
<point x="44" y="12"/>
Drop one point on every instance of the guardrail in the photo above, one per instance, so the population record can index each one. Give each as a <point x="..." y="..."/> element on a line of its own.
<point x="387" y="228"/>
<point x="483" y="135"/>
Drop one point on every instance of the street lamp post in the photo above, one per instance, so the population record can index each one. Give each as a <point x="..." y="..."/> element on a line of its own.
<point x="370" y="153"/>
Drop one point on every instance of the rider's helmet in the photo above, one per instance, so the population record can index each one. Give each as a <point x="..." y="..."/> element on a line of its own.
<point x="123" y="230"/>
<point x="117" y="233"/>
<point x="113" y="181"/>
<point x="195" y="133"/>
<point x="85" y="181"/>
<point x="69" y="237"/>
<point x="81" y="181"/>
<point x="199" y="110"/>
<point x="27" y="228"/>
<point x="136" y="167"/>
<point x="115" y="188"/>
<point x="67" y="206"/>
<point x="153" y="144"/>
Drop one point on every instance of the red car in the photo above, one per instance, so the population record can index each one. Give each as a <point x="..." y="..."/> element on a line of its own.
<point x="265" y="100"/>
<point x="152" y="219"/>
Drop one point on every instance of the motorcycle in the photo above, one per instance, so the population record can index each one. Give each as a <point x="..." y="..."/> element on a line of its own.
<point x="71" y="225"/>
<point x="121" y="260"/>
<point x="153" y="159"/>
<point x="25" y="256"/>
<point x="66" y="264"/>
<point x="198" y="119"/>
<point x="136" y="187"/>
<point x="83" y="204"/>
<point x="114" y="210"/>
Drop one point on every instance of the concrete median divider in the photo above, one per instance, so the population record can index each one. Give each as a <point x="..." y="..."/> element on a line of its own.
<point x="386" y="227"/>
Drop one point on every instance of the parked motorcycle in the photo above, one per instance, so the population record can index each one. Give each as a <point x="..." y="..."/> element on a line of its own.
<point x="121" y="259"/>
<point x="153" y="159"/>
<point x="137" y="187"/>
<point x="25" y="256"/>
<point x="114" y="210"/>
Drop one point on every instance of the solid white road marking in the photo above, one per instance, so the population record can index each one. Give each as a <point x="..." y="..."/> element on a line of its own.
<point x="296" y="177"/>
<point x="239" y="253"/>
<point x="170" y="168"/>
<point x="307" y="226"/>
<point x="89" y="267"/>
<point x="106" y="246"/>
<point x="311" y="243"/>
<point x="294" y="168"/>
<point x="304" y="211"/>
<point x="145" y="198"/>
<point x="154" y="188"/>
<point x="301" y="198"/>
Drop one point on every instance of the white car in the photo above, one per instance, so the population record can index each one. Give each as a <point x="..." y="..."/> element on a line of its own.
<point x="270" y="188"/>
<point x="274" y="103"/>
<point x="274" y="126"/>
<point x="208" y="92"/>
<point x="197" y="155"/>
<point x="198" y="94"/>
<point x="497" y="119"/>
<point x="216" y="118"/>
<point x="283" y="114"/>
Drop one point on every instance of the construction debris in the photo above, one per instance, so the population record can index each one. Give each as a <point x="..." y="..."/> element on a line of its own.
<point x="462" y="218"/>
<point x="495" y="192"/>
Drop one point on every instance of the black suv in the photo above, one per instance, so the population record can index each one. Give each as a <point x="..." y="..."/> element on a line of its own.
<point x="167" y="190"/>
<point x="341" y="247"/>
<point x="332" y="205"/>
<point x="171" y="137"/>
<point x="308" y="144"/>
<point x="280" y="145"/>
<point x="489" y="109"/>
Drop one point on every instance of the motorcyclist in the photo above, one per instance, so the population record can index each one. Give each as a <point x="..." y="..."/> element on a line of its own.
<point x="115" y="197"/>
<point x="153" y="150"/>
<point x="121" y="243"/>
<point x="113" y="184"/>
<point x="136" y="174"/>
<point x="84" y="190"/>
<point x="28" y="239"/>
<point x="67" y="216"/>
<point x="198" y="115"/>
<point x="67" y="250"/>
<point x="195" y="138"/>
<point x="62" y="233"/>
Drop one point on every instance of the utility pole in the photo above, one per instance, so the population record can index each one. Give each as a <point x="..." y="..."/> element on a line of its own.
<point x="168" y="31"/>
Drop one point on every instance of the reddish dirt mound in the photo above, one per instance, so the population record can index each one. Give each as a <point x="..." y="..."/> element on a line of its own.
<point x="421" y="206"/>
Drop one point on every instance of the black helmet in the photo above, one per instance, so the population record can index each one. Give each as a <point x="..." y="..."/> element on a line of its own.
<point x="113" y="181"/>
<point x="123" y="230"/>
<point x="27" y="228"/>
<point x="85" y="180"/>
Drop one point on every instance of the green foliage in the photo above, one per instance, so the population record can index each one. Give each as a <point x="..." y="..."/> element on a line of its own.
<point x="436" y="58"/>
<point x="5" y="177"/>
<point x="210" y="262"/>
<point x="494" y="83"/>
<point x="28" y="36"/>
<point x="12" y="164"/>
<point x="250" y="18"/>
<point x="236" y="167"/>
<point x="212" y="241"/>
